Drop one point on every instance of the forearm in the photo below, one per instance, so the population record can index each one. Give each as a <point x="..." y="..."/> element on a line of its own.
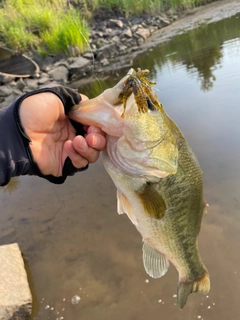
<point x="14" y="159"/>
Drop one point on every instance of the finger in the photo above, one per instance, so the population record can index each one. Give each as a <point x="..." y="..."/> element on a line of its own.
<point x="94" y="129"/>
<point x="96" y="141"/>
<point x="77" y="159"/>
<point x="84" y="98"/>
<point x="82" y="147"/>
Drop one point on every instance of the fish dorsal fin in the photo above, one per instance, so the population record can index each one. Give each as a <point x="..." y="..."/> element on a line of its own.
<point x="124" y="206"/>
<point x="155" y="264"/>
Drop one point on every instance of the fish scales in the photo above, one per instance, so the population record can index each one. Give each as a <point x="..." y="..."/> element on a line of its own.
<point x="157" y="176"/>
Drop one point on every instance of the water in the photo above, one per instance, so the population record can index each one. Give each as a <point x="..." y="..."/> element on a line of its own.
<point x="75" y="244"/>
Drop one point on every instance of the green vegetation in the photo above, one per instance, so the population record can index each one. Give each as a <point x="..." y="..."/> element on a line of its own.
<point x="54" y="26"/>
<point x="141" y="6"/>
<point x="48" y="26"/>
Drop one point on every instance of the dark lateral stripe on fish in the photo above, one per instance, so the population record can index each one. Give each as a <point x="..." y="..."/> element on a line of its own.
<point x="152" y="202"/>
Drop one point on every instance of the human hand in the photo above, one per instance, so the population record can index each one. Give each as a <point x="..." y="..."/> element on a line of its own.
<point x="53" y="137"/>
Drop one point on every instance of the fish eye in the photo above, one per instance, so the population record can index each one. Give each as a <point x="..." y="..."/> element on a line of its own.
<point x="150" y="104"/>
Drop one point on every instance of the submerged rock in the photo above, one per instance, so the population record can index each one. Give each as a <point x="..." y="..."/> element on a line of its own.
<point x="15" y="295"/>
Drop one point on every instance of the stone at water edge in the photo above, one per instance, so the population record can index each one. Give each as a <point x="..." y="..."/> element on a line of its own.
<point x="15" y="295"/>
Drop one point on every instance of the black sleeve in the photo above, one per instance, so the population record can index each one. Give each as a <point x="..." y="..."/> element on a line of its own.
<point x="15" y="154"/>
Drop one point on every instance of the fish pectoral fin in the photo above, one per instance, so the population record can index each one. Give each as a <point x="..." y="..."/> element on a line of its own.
<point x="155" y="264"/>
<point x="124" y="206"/>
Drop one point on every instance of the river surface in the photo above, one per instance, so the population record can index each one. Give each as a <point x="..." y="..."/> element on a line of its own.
<point x="74" y="242"/>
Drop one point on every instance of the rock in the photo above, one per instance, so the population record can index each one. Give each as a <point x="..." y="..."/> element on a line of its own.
<point x="59" y="57"/>
<point x="109" y="31"/>
<point x="78" y="65"/>
<point x="17" y="92"/>
<point x="99" y="34"/>
<point x="44" y="79"/>
<point x="31" y="84"/>
<point x="122" y="48"/>
<point x="47" y="63"/>
<point x="140" y="41"/>
<point x="127" y="33"/>
<point x="5" y="91"/>
<point x="61" y="63"/>
<point x="136" y="20"/>
<point x="20" y="84"/>
<point x="115" y="23"/>
<point x="163" y="22"/>
<point x="59" y="74"/>
<point x="10" y="99"/>
<point x="104" y="62"/>
<point x="15" y="295"/>
<point x="6" y="78"/>
<point x="115" y="39"/>
<point x="107" y="51"/>
<point x="74" y="51"/>
<point x="134" y="28"/>
<point x="143" y="32"/>
<point x="153" y="29"/>
<point x="89" y="55"/>
<point x="160" y="22"/>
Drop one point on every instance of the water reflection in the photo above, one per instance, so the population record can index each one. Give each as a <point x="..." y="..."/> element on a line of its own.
<point x="74" y="242"/>
<point x="199" y="50"/>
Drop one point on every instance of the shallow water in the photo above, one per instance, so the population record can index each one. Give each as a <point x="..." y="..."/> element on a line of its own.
<point x="72" y="238"/>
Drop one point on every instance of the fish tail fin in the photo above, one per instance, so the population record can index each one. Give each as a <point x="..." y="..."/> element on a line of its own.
<point x="185" y="288"/>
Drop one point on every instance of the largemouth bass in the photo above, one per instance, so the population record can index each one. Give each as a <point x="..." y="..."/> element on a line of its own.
<point x="157" y="176"/>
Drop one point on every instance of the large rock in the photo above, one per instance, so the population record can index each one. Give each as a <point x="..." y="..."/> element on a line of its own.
<point x="143" y="32"/>
<point x="5" y="91"/>
<point x="78" y="65"/>
<point x="15" y="295"/>
<point x="60" y="73"/>
<point x="115" y="23"/>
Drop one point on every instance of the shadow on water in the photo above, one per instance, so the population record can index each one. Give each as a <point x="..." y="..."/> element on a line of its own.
<point x="76" y="244"/>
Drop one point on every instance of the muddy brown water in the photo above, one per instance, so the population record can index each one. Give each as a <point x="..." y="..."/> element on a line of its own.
<point x="74" y="242"/>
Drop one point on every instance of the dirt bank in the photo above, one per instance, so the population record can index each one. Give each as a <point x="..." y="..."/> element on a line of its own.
<point x="191" y="19"/>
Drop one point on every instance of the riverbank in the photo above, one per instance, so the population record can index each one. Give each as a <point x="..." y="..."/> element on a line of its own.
<point x="114" y="44"/>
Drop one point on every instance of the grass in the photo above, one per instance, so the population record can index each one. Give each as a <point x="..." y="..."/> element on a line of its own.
<point x="55" y="26"/>
<point x="141" y="6"/>
<point x="47" y="26"/>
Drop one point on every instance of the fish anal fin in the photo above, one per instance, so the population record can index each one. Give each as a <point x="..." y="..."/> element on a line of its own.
<point x="185" y="288"/>
<point x="155" y="264"/>
<point x="124" y="206"/>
